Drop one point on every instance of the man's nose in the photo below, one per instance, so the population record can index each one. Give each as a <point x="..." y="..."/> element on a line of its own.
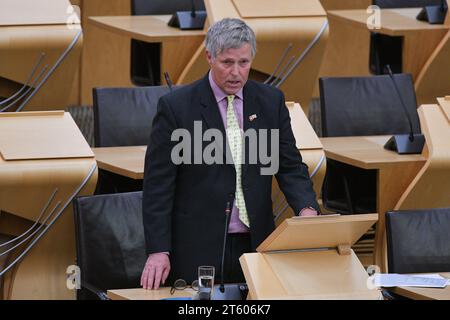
<point x="235" y="69"/>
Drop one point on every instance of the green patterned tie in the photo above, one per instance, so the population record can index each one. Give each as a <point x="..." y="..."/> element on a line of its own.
<point x="235" y="142"/>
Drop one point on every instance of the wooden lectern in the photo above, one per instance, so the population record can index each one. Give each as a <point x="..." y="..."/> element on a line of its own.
<point x="310" y="258"/>
<point x="45" y="161"/>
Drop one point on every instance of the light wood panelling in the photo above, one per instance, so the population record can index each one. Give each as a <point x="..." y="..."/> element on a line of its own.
<point x="105" y="56"/>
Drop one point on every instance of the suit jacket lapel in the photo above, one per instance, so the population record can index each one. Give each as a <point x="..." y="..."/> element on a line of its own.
<point x="251" y="109"/>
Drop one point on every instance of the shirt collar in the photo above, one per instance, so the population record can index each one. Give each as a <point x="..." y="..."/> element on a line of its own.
<point x="218" y="93"/>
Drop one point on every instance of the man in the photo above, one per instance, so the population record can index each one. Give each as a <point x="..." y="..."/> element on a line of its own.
<point x="184" y="204"/>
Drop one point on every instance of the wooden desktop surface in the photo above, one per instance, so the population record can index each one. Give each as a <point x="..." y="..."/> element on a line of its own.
<point x="394" y="22"/>
<point x="125" y="161"/>
<point x="365" y="152"/>
<point x="152" y="28"/>
<point x="417" y="293"/>
<point x="143" y="294"/>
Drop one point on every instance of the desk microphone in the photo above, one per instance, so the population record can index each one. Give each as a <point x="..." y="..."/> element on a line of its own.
<point x="188" y="20"/>
<point x="433" y="14"/>
<point x="168" y="81"/>
<point x="411" y="143"/>
<point x="228" y="209"/>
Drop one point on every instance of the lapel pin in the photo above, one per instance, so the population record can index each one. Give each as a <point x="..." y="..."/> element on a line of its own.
<point x="252" y="117"/>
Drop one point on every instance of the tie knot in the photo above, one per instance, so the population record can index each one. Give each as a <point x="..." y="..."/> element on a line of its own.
<point x="230" y="99"/>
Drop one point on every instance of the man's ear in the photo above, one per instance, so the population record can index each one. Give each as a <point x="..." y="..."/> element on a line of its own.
<point x="209" y="57"/>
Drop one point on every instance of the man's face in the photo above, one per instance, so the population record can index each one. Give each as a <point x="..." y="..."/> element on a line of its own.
<point x="230" y="68"/>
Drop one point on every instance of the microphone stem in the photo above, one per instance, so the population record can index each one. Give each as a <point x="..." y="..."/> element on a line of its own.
<point x="225" y="236"/>
<point x="411" y="130"/>
<point x="193" y="9"/>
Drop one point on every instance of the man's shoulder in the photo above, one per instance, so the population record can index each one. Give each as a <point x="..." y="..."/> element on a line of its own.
<point x="183" y="93"/>
<point x="262" y="89"/>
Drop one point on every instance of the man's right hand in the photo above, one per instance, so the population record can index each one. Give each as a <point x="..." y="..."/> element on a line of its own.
<point x="156" y="270"/>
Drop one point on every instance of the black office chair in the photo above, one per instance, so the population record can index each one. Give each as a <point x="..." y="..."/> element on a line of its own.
<point x="110" y="243"/>
<point x="361" y="106"/>
<point x="388" y="50"/>
<point x="418" y="241"/>
<point x="145" y="57"/>
<point x="123" y="117"/>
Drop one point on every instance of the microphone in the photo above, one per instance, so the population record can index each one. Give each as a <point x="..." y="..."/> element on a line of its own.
<point x="193" y="14"/>
<point x="188" y="20"/>
<point x="411" y="143"/>
<point x="433" y="14"/>
<point x="228" y="209"/>
<point x="168" y="81"/>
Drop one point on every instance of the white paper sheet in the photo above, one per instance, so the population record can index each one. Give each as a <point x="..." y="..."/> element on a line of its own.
<point x="401" y="280"/>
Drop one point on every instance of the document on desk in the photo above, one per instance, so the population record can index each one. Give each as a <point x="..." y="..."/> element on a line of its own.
<point x="403" y="280"/>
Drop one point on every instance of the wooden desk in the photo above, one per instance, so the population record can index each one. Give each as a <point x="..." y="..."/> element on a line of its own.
<point x="420" y="38"/>
<point x="125" y="161"/>
<point x="394" y="174"/>
<point x="444" y="103"/>
<point x="417" y="293"/>
<point x="177" y="46"/>
<point x="142" y="294"/>
<point x="394" y="22"/>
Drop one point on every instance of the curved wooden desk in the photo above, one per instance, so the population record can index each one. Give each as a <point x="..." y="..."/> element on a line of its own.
<point x="177" y="46"/>
<point x="28" y="28"/>
<point x="394" y="22"/>
<point x="41" y="152"/>
<point x="394" y="174"/>
<point x="430" y="188"/>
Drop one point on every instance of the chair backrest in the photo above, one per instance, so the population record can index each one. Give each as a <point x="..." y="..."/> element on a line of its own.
<point x="418" y="241"/>
<point x="146" y="7"/>
<point x="405" y="3"/>
<point x="110" y="241"/>
<point x="360" y="106"/>
<point x="123" y="116"/>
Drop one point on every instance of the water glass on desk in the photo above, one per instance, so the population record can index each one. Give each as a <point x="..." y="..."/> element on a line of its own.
<point x="205" y="282"/>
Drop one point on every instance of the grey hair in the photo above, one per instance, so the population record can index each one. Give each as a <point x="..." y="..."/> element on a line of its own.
<point x="229" y="34"/>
